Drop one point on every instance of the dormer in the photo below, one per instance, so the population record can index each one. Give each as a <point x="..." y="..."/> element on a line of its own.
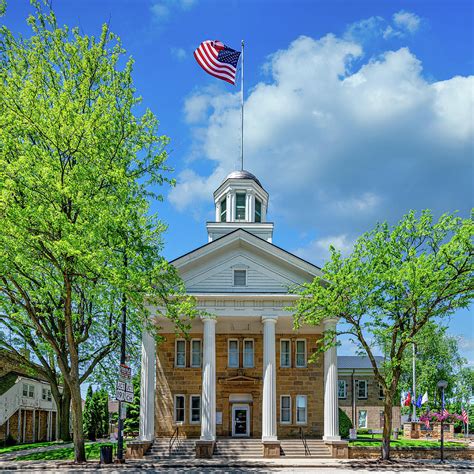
<point x="241" y="202"/>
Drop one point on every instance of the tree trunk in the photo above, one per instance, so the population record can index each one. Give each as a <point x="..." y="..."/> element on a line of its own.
<point x="64" y="414"/>
<point x="387" y="425"/>
<point x="77" y="431"/>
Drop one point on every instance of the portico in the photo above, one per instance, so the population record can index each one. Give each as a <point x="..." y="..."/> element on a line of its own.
<point x="242" y="370"/>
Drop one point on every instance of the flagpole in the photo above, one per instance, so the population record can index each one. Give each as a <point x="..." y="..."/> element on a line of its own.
<point x="242" y="108"/>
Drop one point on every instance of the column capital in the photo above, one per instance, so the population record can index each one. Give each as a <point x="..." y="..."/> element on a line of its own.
<point x="269" y="319"/>
<point x="330" y="323"/>
<point x="209" y="319"/>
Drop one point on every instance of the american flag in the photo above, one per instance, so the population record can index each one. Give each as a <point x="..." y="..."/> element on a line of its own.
<point x="218" y="60"/>
<point x="464" y="415"/>
<point x="445" y="413"/>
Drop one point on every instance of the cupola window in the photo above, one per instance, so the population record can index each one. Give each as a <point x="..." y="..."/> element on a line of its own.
<point x="258" y="211"/>
<point x="240" y="206"/>
<point x="224" y="210"/>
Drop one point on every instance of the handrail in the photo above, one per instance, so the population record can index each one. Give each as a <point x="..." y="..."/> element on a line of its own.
<point x="307" y="452"/>
<point x="173" y="439"/>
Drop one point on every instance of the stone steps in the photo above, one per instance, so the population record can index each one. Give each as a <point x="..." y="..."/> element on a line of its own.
<point x="234" y="448"/>
<point x="294" y="448"/>
<point x="238" y="448"/>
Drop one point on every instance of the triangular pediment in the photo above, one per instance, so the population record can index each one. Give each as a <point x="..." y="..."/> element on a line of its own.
<point x="239" y="379"/>
<point x="269" y="269"/>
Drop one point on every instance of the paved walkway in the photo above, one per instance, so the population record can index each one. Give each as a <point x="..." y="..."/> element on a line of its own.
<point x="242" y="466"/>
<point x="12" y="455"/>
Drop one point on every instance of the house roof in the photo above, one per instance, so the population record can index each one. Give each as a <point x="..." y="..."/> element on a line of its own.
<point x="357" y="362"/>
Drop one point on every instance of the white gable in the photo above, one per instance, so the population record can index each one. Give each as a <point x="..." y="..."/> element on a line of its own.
<point x="269" y="269"/>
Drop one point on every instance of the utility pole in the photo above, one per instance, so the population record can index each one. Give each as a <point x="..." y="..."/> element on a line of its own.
<point x="120" y="457"/>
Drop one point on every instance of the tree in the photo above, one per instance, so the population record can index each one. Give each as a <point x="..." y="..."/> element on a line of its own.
<point x="437" y="358"/>
<point x="394" y="283"/>
<point x="77" y="172"/>
<point x="90" y="415"/>
<point x="132" y="422"/>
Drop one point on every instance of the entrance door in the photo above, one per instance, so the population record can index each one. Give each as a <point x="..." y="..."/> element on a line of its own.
<point x="240" y="420"/>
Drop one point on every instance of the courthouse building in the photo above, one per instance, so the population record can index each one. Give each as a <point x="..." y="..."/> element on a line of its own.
<point x="243" y="370"/>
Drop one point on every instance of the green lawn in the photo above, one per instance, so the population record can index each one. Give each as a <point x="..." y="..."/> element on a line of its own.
<point x="92" y="452"/>
<point x="21" y="447"/>
<point x="366" y="440"/>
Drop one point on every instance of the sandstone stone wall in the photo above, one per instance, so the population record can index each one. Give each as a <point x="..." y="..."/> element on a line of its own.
<point x="26" y="434"/>
<point x="373" y="404"/>
<point x="171" y="381"/>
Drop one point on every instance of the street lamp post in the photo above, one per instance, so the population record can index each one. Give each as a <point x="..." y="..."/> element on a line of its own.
<point x="442" y="384"/>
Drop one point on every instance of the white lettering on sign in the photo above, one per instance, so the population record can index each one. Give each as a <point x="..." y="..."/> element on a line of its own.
<point x="121" y="386"/>
<point x="125" y="372"/>
<point x="129" y="387"/>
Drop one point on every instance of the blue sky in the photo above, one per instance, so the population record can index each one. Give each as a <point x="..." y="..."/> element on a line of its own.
<point x="356" y="111"/>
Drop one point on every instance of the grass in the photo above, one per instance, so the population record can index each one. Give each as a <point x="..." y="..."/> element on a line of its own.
<point x="366" y="440"/>
<point x="21" y="447"/>
<point x="92" y="452"/>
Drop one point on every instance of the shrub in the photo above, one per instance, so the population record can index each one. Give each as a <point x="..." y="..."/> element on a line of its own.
<point x="362" y="431"/>
<point x="10" y="441"/>
<point x="345" y="424"/>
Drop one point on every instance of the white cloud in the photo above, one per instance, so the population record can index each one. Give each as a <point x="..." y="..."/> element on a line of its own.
<point x="407" y="21"/>
<point x="338" y="150"/>
<point x="162" y="9"/>
<point x="318" y="250"/>
<point x="179" y="53"/>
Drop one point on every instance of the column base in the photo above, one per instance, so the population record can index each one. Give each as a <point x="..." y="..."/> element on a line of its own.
<point x="331" y="438"/>
<point x="339" y="449"/>
<point x="204" y="449"/>
<point x="271" y="449"/>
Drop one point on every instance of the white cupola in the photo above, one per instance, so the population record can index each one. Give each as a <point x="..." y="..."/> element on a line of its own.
<point x="241" y="203"/>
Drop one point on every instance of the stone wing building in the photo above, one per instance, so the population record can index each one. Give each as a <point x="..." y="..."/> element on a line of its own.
<point x="243" y="371"/>
<point x="360" y="395"/>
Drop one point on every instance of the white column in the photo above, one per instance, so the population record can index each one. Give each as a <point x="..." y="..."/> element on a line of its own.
<point x="218" y="211"/>
<point x="269" y="419"/>
<point x="331" y="402"/>
<point x="147" y="388"/>
<point x="208" y="398"/>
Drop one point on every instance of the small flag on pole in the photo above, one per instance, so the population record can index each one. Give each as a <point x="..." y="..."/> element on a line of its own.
<point x="464" y="415"/>
<point x="218" y="60"/>
<point x="418" y="401"/>
<point x="445" y="413"/>
<point x="402" y="398"/>
<point x="425" y="398"/>
<point x="408" y="399"/>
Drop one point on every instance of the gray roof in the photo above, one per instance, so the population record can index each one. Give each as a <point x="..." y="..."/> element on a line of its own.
<point x="356" y="362"/>
<point x="243" y="174"/>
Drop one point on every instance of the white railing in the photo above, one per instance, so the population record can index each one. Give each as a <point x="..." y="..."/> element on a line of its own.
<point x="9" y="403"/>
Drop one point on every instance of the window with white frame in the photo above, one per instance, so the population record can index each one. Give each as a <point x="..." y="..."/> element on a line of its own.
<point x="362" y="389"/>
<point x="248" y="353"/>
<point x="285" y="353"/>
<point x="179" y="408"/>
<point x="46" y="394"/>
<point x="342" y="389"/>
<point x="195" y="408"/>
<point x="301" y="408"/>
<point x="180" y="356"/>
<point x="362" y="419"/>
<point x="258" y="211"/>
<point x="301" y="353"/>
<point x="240" y="277"/>
<point x="233" y="353"/>
<point x="196" y="353"/>
<point x="285" y="409"/>
<point x="223" y="210"/>
<point x="240" y="206"/>
<point x="28" y="390"/>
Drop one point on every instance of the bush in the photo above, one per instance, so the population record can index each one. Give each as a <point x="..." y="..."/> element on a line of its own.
<point x="10" y="441"/>
<point x="345" y="424"/>
<point x="362" y="431"/>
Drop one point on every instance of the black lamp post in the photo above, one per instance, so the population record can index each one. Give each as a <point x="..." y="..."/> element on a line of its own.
<point x="442" y="384"/>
